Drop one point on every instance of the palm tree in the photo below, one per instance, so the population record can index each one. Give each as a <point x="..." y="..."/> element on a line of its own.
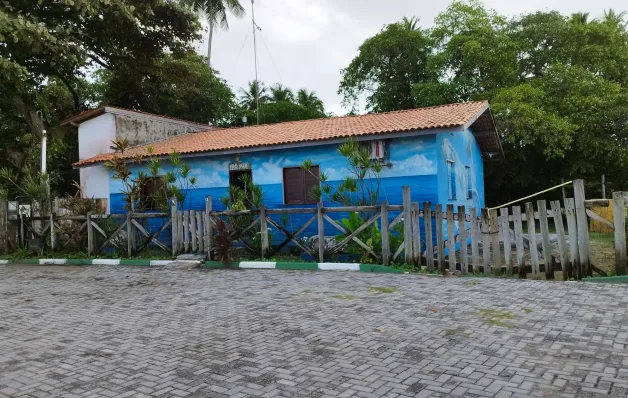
<point x="280" y="93"/>
<point x="215" y="12"/>
<point x="611" y="17"/>
<point x="580" y="17"/>
<point x="309" y="100"/>
<point x="410" y="24"/>
<point x="248" y="98"/>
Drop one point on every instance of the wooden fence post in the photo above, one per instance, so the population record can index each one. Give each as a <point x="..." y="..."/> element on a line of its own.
<point x="475" y="237"/>
<point x="385" y="236"/>
<point x="583" y="227"/>
<point x="534" y="253"/>
<point x="90" y="234"/>
<point x="210" y="227"/>
<point x="486" y="241"/>
<point x="321" y="233"/>
<point x="200" y="232"/>
<point x="129" y="234"/>
<point x="547" y="248"/>
<point x="407" y="224"/>
<point x="429" y="243"/>
<point x="4" y="226"/>
<point x="506" y="234"/>
<point x="440" y="238"/>
<point x="263" y="230"/>
<point x="494" y="224"/>
<point x="193" y="231"/>
<point x="462" y="234"/>
<point x="570" y="210"/>
<point x="416" y="235"/>
<point x="560" y="233"/>
<point x="518" y="229"/>
<point x="619" y="221"/>
<point x="174" y="227"/>
<point x="186" y="227"/>
<point x="451" y="238"/>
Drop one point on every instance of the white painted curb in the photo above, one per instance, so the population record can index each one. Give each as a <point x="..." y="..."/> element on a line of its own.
<point x="160" y="263"/>
<point x="257" y="265"/>
<point x="338" y="267"/>
<point x="105" y="262"/>
<point x="52" y="261"/>
<point x="4" y="262"/>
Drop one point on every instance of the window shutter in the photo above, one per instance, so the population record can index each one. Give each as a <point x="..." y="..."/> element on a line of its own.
<point x="311" y="179"/>
<point x="293" y="186"/>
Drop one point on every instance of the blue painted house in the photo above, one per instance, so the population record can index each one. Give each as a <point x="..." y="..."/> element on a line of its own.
<point x="438" y="151"/>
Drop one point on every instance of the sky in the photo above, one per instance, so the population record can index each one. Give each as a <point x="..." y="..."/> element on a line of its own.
<point x="306" y="43"/>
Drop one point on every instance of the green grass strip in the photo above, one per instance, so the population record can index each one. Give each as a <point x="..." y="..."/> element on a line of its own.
<point x="286" y="265"/>
<point x="608" y="279"/>
<point x="218" y="264"/>
<point x="383" y="269"/>
<point x="136" y="263"/>
<point x="78" y="261"/>
<point x="26" y="261"/>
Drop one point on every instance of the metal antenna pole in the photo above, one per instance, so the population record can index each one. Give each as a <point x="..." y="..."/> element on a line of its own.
<point x="255" y="54"/>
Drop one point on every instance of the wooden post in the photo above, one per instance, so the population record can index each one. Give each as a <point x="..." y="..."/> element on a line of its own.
<point x="22" y="237"/>
<point x="129" y="233"/>
<point x="440" y="238"/>
<point x="451" y="238"/>
<point x="494" y="222"/>
<point x="90" y="235"/>
<point x="193" y="230"/>
<point x="385" y="236"/>
<point x="174" y="227"/>
<point x="429" y="245"/>
<point x="321" y="233"/>
<point x="200" y="233"/>
<point x="547" y="248"/>
<point x="560" y="233"/>
<point x="570" y="211"/>
<point x="506" y="234"/>
<point x="180" y="232"/>
<point x="263" y="225"/>
<point x="210" y="227"/>
<point x="475" y="237"/>
<point x="603" y="186"/>
<point x="4" y="226"/>
<point x="534" y="254"/>
<point x="486" y="241"/>
<point x="562" y="181"/>
<point x="583" y="227"/>
<point x="518" y="229"/>
<point x="619" y="221"/>
<point x="462" y="234"/>
<point x="407" y="225"/>
<point x="186" y="227"/>
<point x="416" y="235"/>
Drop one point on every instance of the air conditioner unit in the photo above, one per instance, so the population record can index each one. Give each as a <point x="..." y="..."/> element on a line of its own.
<point x="378" y="150"/>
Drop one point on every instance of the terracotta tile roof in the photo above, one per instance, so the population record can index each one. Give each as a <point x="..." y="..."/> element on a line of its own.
<point x="92" y="113"/>
<point x="453" y="115"/>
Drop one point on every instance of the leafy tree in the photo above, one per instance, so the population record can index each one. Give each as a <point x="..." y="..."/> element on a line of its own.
<point x="215" y="12"/>
<point x="278" y="112"/>
<point x="256" y="91"/>
<point x="309" y="100"/>
<point x="386" y="68"/>
<point x="280" y="93"/>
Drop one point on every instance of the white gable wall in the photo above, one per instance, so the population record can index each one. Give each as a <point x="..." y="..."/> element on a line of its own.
<point x="95" y="136"/>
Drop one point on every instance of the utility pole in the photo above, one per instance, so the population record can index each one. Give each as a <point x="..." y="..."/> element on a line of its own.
<point x="44" y="172"/>
<point x="255" y="55"/>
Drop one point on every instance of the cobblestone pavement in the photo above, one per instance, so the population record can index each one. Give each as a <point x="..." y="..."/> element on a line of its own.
<point x="123" y="331"/>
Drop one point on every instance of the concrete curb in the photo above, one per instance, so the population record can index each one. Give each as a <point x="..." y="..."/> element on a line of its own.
<point x="608" y="279"/>
<point x="281" y="265"/>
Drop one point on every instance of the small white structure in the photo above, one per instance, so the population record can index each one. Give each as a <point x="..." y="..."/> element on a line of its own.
<point x="97" y="129"/>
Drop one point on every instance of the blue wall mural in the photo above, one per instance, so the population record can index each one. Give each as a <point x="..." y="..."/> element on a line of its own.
<point x="418" y="161"/>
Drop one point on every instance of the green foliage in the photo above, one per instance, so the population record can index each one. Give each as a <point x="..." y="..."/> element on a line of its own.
<point x="223" y="250"/>
<point x="28" y="186"/>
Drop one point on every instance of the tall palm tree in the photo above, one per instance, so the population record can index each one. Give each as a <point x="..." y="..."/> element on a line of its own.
<point x="613" y="18"/>
<point x="580" y="17"/>
<point x="248" y="98"/>
<point x="280" y="93"/>
<point x="410" y="24"/>
<point x="309" y="100"/>
<point x="215" y="12"/>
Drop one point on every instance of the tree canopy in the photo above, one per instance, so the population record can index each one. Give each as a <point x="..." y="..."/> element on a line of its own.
<point x="557" y="85"/>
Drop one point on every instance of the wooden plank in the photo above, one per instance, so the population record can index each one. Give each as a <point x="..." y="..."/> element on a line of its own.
<point x="193" y="241"/>
<point x="475" y="239"/>
<point x="451" y="238"/>
<point x="263" y="226"/>
<point x="462" y="235"/>
<point x="518" y="230"/>
<point x="181" y="247"/>
<point x="321" y="233"/>
<point x="395" y="221"/>
<point x="308" y="210"/>
<point x="560" y="235"/>
<point x="583" y="227"/>
<point x="398" y="252"/>
<point x="355" y="233"/>
<point x="385" y="233"/>
<point x="129" y="234"/>
<point x="154" y="236"/>
<point x="599" y="219"/>
<point x="186" y="228"/>
<point x="200" y="236"/>
<point x="440" y="238"/>
<point x="407" y="224"/>
<point x="429" y="243"/>
<point x="589" y="203"/>
<point x="113" y="235"/>
<point x="292" y="236"/>
<point x="494" y="223"/>
<point x="547" y="248"/>
<point x="534" y="254"/>
<point x="175" y="226"/>
<point x="416" y="235"/>
<point x="486" y="241"/>
<point x="619" y="219"/>
<point x="505" y="224"/>
<point x="570" y="211"/>
<point x="144" y="232"/>
<point x="210" y="228"/>
<point x="90" y="235"/>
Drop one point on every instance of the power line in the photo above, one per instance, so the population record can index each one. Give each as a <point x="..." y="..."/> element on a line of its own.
<point x="242" y="48"/>
<point x="270" y="55"/>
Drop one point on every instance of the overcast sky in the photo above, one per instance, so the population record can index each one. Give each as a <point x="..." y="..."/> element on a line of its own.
<point x="305" y="43"/>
